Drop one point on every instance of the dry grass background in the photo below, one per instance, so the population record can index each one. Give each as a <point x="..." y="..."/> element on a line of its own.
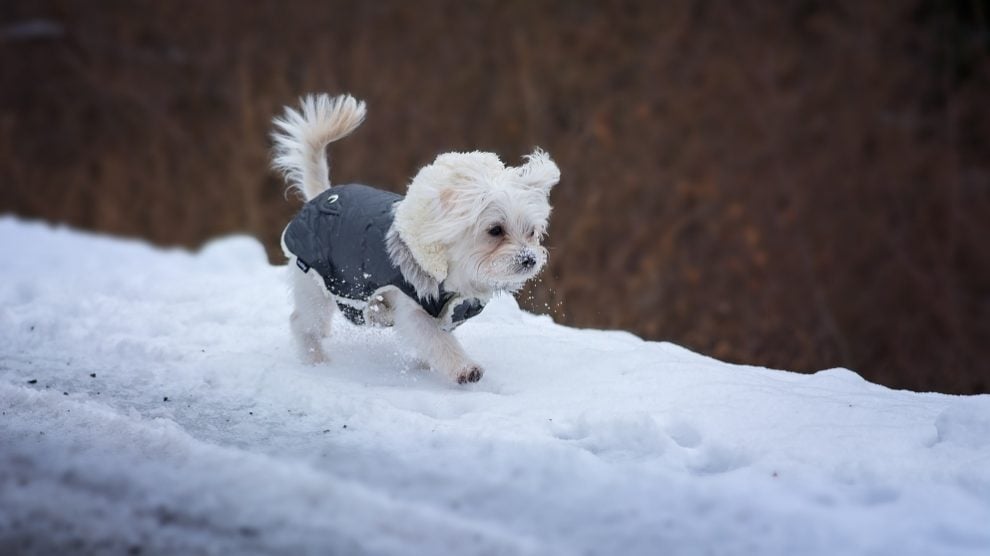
<point x="796" y="184"/>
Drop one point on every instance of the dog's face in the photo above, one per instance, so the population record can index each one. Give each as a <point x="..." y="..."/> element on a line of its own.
<point x="501" y="248"/>
<point x="484" y="220"/>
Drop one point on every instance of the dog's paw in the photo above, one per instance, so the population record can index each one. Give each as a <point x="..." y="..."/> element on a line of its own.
<point x="471" y="373"/>
<point x="314" y="356"/>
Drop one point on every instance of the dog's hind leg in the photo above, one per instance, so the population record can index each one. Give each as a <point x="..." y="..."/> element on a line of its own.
<point x="311" y="315"/>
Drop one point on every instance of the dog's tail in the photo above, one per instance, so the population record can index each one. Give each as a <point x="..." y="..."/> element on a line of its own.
<point x="301" y="138"/>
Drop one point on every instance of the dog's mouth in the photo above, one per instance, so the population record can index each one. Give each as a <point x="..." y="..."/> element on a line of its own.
<point x="527" y="273"/>
<point x="508" y="287"/>
<point x="509" y="274"/>
<point x="514" y="282"/>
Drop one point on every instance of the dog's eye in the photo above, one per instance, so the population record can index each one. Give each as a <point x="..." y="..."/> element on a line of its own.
<point x="496" y="231"/>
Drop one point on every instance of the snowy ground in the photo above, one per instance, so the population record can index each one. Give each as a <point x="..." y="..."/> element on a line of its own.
<point x="152" y="404"/>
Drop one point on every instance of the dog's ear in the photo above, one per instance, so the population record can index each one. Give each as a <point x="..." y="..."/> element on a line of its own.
<point x="447" y="197"/>
<point x="539" y="171"/>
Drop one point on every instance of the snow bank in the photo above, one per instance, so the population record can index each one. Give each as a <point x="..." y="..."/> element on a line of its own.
<point x="152" y="403"/>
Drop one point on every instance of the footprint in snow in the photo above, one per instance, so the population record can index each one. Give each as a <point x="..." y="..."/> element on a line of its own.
<point x="620" y="436"/>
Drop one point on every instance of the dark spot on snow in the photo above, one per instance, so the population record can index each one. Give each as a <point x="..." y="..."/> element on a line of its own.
<point x="166" y="516"/>
<point x="134" y="550"/>
<point x="248" y="531"/>
<point x="326" y="431"/>
<point x="250" y="413"/>
<point x="774" y="474"/>
<point x="345" y="426"/>
<point x="65" y="393"/>
<point x="33" y="381"/>
<point x="165" y="399"/>
<point x="92" y="375"/>
<point x="32" y="328"/>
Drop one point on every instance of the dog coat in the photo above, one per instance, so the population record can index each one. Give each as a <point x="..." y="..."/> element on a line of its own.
<point x="341" y="233"/>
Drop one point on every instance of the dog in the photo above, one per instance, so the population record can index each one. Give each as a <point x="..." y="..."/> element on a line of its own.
<point x="468" y="227"/>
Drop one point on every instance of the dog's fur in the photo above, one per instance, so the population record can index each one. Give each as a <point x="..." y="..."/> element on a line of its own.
<point x="446" y="231"/>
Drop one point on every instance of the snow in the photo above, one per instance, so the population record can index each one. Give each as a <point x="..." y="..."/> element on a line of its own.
<point x="152" y="403"/>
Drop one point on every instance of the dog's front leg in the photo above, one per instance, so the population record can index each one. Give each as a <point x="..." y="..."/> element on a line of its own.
<point x="437" y="346"/>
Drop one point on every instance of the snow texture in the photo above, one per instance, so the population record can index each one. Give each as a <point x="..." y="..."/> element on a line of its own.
<point x="152" y="403"/>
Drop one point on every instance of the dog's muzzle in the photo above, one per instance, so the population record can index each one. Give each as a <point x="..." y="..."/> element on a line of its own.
<point x="525" y="261"/>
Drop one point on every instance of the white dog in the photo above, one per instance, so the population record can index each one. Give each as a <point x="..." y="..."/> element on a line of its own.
<point x="468" y="227"/>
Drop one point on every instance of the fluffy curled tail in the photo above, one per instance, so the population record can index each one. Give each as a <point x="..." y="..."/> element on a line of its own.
<point x="301" y="138"/>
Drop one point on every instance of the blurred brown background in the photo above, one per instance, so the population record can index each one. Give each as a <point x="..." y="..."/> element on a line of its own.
<point x="795" y="184"/>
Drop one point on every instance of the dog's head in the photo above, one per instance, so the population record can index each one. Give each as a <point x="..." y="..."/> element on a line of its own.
<point x="477" y="224"/>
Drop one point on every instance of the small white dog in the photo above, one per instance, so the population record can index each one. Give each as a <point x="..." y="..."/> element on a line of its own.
<point x="468" y="227"/>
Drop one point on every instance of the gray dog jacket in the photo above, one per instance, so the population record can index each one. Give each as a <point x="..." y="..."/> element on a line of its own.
<point x="341" y="234"/>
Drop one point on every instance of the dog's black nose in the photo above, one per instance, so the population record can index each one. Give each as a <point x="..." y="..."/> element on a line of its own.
<point x="527" y="261"/>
